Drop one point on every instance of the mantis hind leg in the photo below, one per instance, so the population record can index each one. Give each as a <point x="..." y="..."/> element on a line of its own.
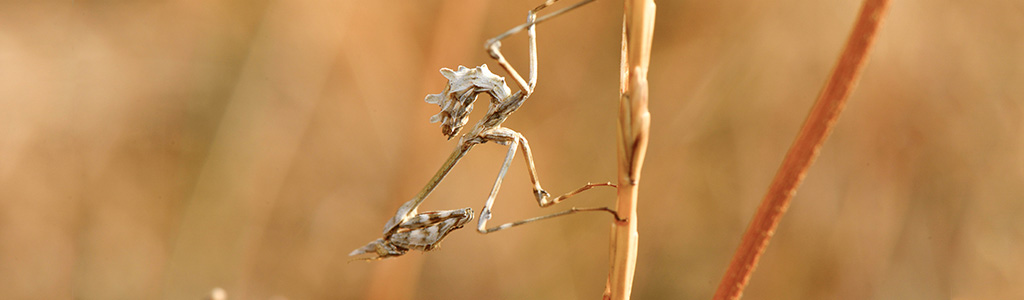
<point x="513" y="140"/>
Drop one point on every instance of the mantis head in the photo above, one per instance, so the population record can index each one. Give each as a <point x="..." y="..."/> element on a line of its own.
<point x="456" y="101"/>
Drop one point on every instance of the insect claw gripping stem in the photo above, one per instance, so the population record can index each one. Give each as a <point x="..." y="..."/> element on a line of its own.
<point x="411" y="230"/>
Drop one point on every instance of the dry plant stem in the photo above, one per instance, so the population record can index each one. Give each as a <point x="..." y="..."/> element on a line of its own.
<point x="804" y="150"/>
<point x="633" y="129"/>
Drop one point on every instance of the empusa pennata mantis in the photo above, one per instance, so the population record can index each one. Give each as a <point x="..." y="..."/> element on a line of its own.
<point x="409" y="229"/>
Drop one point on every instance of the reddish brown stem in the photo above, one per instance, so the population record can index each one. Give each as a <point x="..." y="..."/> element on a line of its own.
<point x="804" y="150"/>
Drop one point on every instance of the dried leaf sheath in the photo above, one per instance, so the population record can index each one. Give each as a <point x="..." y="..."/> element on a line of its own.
<point x="633" y="134"/>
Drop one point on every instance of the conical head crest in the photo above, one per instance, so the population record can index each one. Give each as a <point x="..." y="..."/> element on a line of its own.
<point x="456" y="101"/>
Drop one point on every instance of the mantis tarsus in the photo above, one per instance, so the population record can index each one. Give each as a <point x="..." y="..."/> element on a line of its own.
<point x="409" y="229"/>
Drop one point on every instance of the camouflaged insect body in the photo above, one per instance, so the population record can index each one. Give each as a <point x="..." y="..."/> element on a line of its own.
<point x="422" y="232"/>
<point x="456" y="101"/>
<point x="411" y="230"/>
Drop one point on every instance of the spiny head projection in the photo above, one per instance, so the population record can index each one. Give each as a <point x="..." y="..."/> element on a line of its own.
<point x="456" y="101"/>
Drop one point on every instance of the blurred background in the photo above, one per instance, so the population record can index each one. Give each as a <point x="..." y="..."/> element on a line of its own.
<point x="160" y="149"/>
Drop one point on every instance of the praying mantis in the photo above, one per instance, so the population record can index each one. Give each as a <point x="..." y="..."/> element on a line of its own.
<point x="410" y="230"/>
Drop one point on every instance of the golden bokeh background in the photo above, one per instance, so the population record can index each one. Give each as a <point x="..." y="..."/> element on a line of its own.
<point x="160" y="149"/>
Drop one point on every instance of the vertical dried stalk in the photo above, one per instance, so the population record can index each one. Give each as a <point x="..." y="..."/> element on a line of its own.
<point x="804" y="150"/>
<point x="634" y="125"/>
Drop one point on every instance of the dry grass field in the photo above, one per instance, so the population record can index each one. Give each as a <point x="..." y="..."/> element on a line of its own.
<point x="160" y="149"/>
